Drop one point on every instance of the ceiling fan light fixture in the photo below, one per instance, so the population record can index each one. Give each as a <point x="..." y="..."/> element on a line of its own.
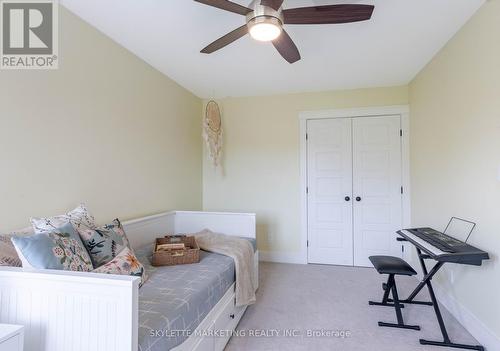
<point x="265" y="20"/>
<point x="265" y="28"/>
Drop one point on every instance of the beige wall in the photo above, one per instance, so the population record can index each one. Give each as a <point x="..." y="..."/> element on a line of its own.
<point x="111" y="131"/>
<point x="105" y="128"/>
<point x="455" y="158"/>
<point x="261" y="158"/>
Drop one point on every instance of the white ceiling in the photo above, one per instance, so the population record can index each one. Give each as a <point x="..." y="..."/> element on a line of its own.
<point x="391" y="49"/>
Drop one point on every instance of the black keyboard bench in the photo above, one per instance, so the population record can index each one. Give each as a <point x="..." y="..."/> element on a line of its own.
<point x="392" y="266"/>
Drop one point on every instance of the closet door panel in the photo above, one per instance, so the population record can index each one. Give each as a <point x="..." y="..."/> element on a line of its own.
<point x="376" y="187"/>
<point x="329" y="173"/>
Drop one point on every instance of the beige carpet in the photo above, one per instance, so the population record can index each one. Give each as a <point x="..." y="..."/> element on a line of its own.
<point x="298" y="298"/>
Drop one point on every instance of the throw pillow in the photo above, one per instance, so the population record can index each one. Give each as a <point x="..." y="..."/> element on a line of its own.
<point x="104" y="243"/>
<point x="8" y="254"/>
<point x="80" y="217"/>
<point x="60" y="249"/>
<point x="126" y="263"/>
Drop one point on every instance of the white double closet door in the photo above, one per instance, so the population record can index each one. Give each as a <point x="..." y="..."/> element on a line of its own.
<point x="354" y="200"/>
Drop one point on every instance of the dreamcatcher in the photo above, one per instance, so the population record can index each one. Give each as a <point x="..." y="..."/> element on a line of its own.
<point x="212" y="132"/>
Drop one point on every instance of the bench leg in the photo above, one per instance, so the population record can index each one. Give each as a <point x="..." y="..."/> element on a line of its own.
<point x="375" y="303"/>
<point x="387" y="289"/>
<point x="426" y="303"/>
<point x="399" y="315"/>
<point x="397" y="325"/>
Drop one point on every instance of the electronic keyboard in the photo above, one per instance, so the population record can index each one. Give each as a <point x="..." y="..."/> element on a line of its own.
<point x="442" y="247"/>
<point x="440" y="240"/>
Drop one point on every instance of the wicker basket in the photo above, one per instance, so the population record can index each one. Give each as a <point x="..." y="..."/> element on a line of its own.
<point x="191" y="254"/>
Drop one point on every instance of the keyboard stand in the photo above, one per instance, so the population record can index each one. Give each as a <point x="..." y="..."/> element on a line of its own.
<point x="427" y="281"/>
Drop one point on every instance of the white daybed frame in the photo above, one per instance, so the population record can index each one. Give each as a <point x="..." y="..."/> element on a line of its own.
<point x="72" y="311"/>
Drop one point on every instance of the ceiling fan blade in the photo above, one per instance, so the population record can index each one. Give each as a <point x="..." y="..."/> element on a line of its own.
<point x="286" y="47"/>
<point x="226" y="40"/>
<point x="274" y="4"/>
<point x="329" y="14"/>
<point x="227" y="5"/>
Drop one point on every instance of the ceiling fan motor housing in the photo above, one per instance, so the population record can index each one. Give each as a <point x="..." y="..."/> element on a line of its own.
<point x="262" y="13"/>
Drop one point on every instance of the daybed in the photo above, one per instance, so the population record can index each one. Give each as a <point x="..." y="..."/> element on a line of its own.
<point x="181" y="308"/>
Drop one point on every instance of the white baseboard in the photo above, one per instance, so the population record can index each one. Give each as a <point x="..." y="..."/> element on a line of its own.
<point x="468" y="320"/>
<point x="281" y="257"/>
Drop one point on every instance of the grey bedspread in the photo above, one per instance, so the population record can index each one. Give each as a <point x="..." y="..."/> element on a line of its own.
<point x="178" y="298"/>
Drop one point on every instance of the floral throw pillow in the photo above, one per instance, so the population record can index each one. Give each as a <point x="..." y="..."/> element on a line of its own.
<point x="60" y="249"/>
<point x="8" y="254"/>
<point x="104" y="243"/>
<point x="126" y="263"/>
<point x="80" y="217"/>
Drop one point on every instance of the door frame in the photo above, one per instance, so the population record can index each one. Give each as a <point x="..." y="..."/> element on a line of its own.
<point x="403" y="111"/>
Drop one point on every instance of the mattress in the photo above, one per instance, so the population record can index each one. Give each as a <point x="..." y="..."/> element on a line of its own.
<point x="175" y="299"/>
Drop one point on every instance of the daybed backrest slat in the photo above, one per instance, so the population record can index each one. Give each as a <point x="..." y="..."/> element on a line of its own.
<point x="145" y="230"/>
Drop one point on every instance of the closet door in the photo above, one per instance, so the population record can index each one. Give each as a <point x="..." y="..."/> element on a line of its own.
<point x="376" y="187"/>
<point x="329" y="175"/>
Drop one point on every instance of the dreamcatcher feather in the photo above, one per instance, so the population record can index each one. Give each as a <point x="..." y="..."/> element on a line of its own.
<point x="212" y="133"/>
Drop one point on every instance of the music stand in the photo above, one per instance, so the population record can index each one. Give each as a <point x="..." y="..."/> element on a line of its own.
<point x="458" y="226"/>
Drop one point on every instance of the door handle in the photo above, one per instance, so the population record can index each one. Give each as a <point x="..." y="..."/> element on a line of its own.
<point x="347" y="198"/>
<point x="358" y="199"/>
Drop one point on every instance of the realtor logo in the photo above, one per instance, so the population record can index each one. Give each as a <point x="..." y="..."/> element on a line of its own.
<point x="29" y="34"/>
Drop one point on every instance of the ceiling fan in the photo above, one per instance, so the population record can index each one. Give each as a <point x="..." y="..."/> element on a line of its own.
<point x="265" y="20"/>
